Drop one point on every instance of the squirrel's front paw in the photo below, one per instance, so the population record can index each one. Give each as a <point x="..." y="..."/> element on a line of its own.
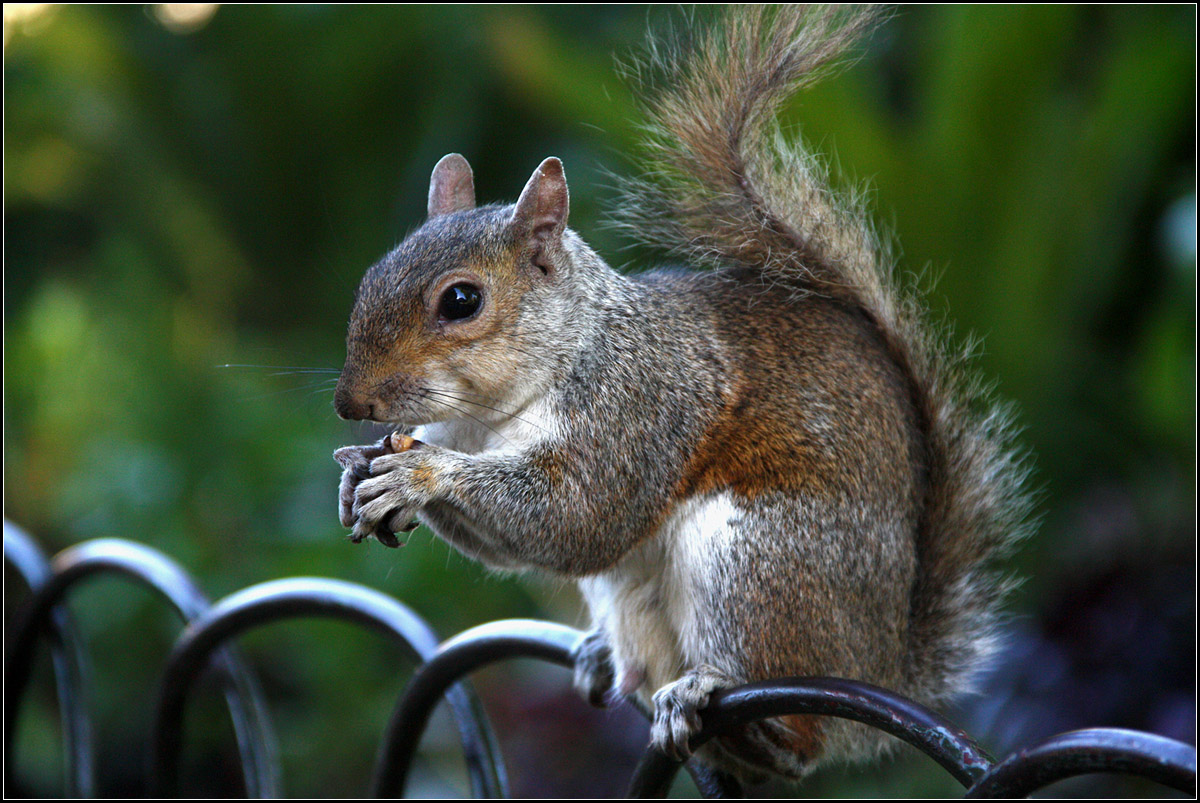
<point x="398" y="487"/>
<point x="356" y="467"/>
<point x="593" y="668"/>
<point x="677" y="706"/>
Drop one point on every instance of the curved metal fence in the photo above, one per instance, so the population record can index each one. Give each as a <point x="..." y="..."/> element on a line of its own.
<point x="442" y="669"/>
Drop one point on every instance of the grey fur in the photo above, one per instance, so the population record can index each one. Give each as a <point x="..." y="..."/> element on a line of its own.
<point x="770" y="468"/>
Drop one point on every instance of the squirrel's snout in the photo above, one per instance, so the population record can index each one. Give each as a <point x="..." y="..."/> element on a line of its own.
<point x="353" y="407"/>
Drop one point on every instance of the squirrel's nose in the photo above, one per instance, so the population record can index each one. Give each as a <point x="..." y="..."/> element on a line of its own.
<point x="353" y="408"/>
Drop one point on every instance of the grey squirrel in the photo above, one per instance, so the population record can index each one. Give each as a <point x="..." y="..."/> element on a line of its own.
<point x="769" y="466"/>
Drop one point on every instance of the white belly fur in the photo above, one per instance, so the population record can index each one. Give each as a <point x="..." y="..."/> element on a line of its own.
<point x="651" y="603"/>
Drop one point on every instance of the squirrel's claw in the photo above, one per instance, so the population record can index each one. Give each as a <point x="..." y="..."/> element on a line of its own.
<point x="385" y="536"/>
<point x="399" y="522"/>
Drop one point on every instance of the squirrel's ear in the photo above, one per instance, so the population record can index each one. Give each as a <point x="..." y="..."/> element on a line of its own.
<point x="541" y="211"/>
<point x="451" y="187"/>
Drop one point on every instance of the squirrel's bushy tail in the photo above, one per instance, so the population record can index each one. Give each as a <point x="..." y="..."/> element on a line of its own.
<point x="718" y="184"/>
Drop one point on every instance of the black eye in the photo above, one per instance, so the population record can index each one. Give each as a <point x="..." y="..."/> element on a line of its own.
<point x="460" y="301"/>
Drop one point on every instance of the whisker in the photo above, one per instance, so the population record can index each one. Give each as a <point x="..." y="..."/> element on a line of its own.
<point x="274" y="393"/>
<point x="455" y="397"/>
<point x="513" y="416"/>
<point x="481" y="423"/>
<point x="285" y="369"/>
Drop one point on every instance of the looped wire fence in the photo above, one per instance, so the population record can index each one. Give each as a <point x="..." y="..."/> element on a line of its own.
<point x="440" y="674"/>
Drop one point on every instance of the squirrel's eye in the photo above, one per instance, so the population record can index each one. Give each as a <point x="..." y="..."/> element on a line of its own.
<point x="460" y="301"/>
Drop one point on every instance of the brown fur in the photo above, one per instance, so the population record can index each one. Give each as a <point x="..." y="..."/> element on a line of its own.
<point x="721" y="188"/>
<point x="792" y="362"/>
<point x="775" y="467"/>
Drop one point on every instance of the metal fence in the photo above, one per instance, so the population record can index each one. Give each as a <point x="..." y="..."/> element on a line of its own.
<point x="209" y="627"/>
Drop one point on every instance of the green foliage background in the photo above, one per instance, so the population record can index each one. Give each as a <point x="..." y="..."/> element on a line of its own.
<point x="176" y="202"/>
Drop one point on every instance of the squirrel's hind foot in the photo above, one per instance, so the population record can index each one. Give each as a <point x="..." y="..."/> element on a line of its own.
<point x="677" y="706"/>
<point x="593" y="668"/>
<point x="782" y="745"/>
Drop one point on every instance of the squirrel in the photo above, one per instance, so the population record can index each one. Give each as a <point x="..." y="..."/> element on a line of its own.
<point x="767" y="464"/>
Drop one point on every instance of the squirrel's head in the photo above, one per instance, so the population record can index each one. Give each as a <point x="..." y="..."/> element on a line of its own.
<point x="461" y="319"/>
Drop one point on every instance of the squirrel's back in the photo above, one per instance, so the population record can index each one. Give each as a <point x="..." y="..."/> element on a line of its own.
<point x="721" y="188"/>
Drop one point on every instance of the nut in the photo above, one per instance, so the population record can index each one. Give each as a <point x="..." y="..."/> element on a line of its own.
<point x="401" y="442"/>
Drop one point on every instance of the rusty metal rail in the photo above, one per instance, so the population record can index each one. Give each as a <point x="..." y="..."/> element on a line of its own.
<point x="441" y="674"/>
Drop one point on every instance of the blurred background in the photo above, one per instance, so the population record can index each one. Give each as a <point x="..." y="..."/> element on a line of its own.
<point x="189" y="188"/>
